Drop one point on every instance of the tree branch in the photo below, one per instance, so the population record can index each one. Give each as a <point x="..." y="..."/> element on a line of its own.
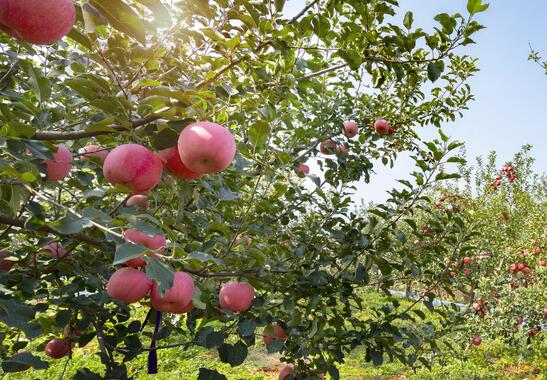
<point x="20" y="223"/>
<point x="303" y="12"/>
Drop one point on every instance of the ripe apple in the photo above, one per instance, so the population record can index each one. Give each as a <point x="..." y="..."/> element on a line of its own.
<point x="467" y="272"/>
<point x="350" y="129"/>
<point x="176" y="300"/>
<point x="381" y="127"/>
<point x="526" y="270"/>
<point x="138" y="200"/>
<point x="458" y="264"/>
<point x="60" y="166"/>
<point x="476" y="340"/>
<point x="174" y="164"/>
<point x="513" y="268"/>
<point x="134" y="167"/>
<point x="476" y="306"/>
<point x="545" y="313"/>
<point x="154" y="243"/>
<point x="275" y="332"/>
<point x="206" y="147"/>
<point x="342" y="150"/>
<point x="5" y="265"/>
<point x="285" y="372"/>
<point x="128" y="285"/>
<point x="453" y="274"/>
<point x="417" y="242"/>
<point x="302" y="170"/>
<point x="519" y="320"/>
<point x="93" y="151"/>
<point x="537" y="250"/>
<point x="467" y="260"/>
<point x="521" y="266"/>
<point x="542" y="262"/>
<point x="57" y="348"/>
<point x="37" y="21"/>
<point x="236" y="296"/>
<point x="327" y="147"/>
<point x="54" y="250"/>
<point x="68" y="331"/>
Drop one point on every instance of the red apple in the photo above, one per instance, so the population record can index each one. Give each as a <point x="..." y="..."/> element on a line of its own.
<point x="327" y="147"/>
<point x="467" y="272"/>
<point x="537" y="250"/>
<point x="342" y="150"/>
<point x="128" y="285"/>
<point x="476" y="340"/>
<point x="476" y="306"/>
<point x="54" y="250"/>
<point x="60" y="166"/>
<point x="154" y="243"/>
<point x="302" y="170"/>
<point x="138" y="200"/>
<point x="417" y="242"/>
<point x="68" y="331"/>
<point x="275" y="332"/>
<point x="458" y="264"/>
<point x="520" y="320"/>
<point x="206" y="147"/>
<point x="285" y="372"/>
<point x="521" y="266"/>
<point x="350" y="129"/>
<point x="174" y="164"/>
<point x="542" y="262"/>
<point x="176" y="300"/>
<point x="134" y="167"/>
<point x="5" y="265"/>
<point x="453" y="274"/>
<point x="381" y="127"/>
<point x="236" y="296"/>
<point x="467" y="260"/>
<point x="94" y="151"/>
<point x="513" y="268"/>
<point x="37" y="21"/>
<point x="57" y="348"/>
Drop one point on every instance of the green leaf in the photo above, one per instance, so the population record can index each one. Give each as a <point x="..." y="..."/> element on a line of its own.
<point x="161" y="13"/>
<point x="122" y="17"/>
<point x="408" y="20"/>
<point x="247" y="327"/>
<point x="166" y="138"/>
<point x="234" y="355"/>
<point x="279" y="5"/>
<point x="40" y="85"/>
<point x="476" y="6"/>
<point x="434" y="70"/>
<point x="128" y="251"/>
<point x="259" y="132"/>
<point x="22" y="361"/>
<point x="377" y="358"/>
<point x="157" y="270"/>
<point x="20" y="316"/>
<point x="210" y="374"/>
<point x="70" y="225"/>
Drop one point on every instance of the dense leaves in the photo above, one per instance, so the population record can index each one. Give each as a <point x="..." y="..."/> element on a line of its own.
<point x="140" y="72"/>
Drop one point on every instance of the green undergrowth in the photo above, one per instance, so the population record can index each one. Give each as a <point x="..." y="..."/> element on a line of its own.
<point x="491" y="360"/>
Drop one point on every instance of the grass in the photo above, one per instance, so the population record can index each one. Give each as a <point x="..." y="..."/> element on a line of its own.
<point x="492" y="360"/>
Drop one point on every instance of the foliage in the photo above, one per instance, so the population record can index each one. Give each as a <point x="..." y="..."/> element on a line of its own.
<point x="140" y="72"/>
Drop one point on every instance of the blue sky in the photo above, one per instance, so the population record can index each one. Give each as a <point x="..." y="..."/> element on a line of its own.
<point x="510" y="109"/>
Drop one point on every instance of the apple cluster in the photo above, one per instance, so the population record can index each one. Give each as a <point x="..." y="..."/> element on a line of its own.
<point x="507" y="171"/>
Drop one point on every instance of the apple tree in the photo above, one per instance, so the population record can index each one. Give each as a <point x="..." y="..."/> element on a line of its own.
<point x="153" y="163"/>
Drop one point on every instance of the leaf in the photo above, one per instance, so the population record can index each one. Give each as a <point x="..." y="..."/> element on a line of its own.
<point x="434" y="70"/>
<point x="122" y="17"/>
<point x="259" y="132"/>
<point x="22" y="361"/>
<point x="161" y="13"/>
<point x="234" y="355"/>
<point x="210" y="374"/>
<point x="157" y="270"/>
<point x="225" y="194"/>
<point x="128" y="251"/>
<point x="476" y="6"/>
<point x="75" y="35"/>
<point x="166" y="138"/>
<point x="40" y="85"/>
<point x="204" y="257"/>
<point x="246" y="327"/>
<point x="20" y="316"/>
<point x="70" y="225"/>
<point x="279" y="5"/>
<point x="408" y="20"/>
<point x="377" y="358"/>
